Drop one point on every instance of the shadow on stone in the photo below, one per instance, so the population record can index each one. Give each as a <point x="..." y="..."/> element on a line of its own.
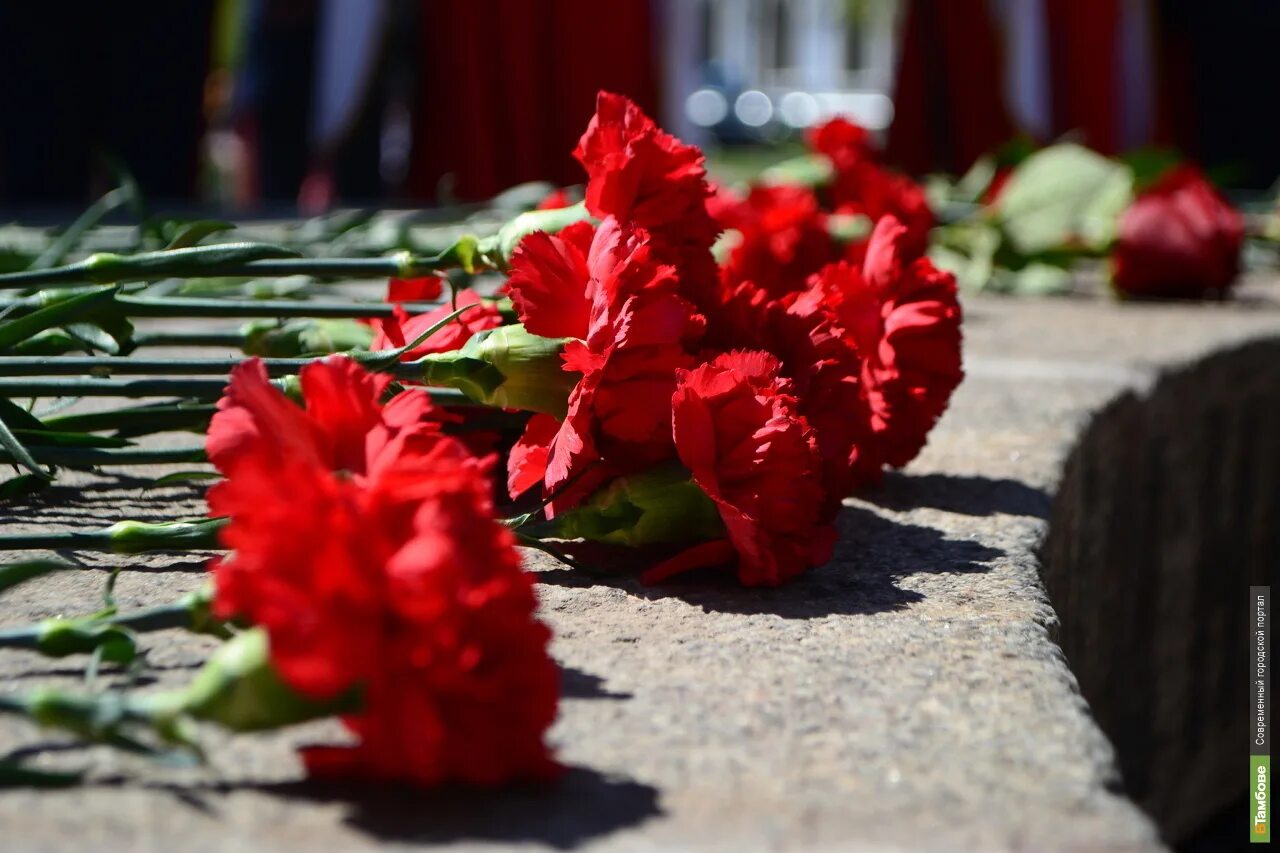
<point x="873" y="553"/>
<point x="576" y="684"/>
<point x="966" y="495"/>
<point x="583" y="805"/>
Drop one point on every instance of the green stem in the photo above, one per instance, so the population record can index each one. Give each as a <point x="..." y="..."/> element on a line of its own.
<point x="225" y="260"/>
<point x="142" y="306"/>
<point x="125" y="537"/>
<point x="138" y="420"/>
<point x="69" y="239"/>
<point x="39" y="365"/>
<point x="157" y="618"/>
<point x="88" y="456"/>
<point x="199" y="388"/>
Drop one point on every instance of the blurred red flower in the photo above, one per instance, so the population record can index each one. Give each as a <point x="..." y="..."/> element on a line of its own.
<point x="784" y="238"/>
<point x="842" y="141"/>
<point x="738" y="432"/>
<point x="860" y="185"/>
<point x="904" y="319"/>
<point x="1178" y="239"/>
<point x="364" y="544"/>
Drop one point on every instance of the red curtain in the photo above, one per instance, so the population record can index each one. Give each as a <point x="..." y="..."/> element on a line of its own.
<point x="507" y="87"/>
<point x="949" y="104"/>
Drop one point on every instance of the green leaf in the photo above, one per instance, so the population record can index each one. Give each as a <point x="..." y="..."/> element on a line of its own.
<point x="57" y="314"/>
<point x="185" y="477"/>
<point x="498" y="248"/>
<point x="49" y="438"/>
<point x="69" y="239"/>
<point x="193" y="232"/>
<point x="93" y="338"/>
<point x="16" y="573"/>
<point x="974" y="183"/>
<point x="1064" y="195"/>
<point x="18" y="417"/>
<point x="20" y="454"/>
<point x="807" y="170"/>
<point x="1149" y="164"/>
<point x="1035" y="279"/>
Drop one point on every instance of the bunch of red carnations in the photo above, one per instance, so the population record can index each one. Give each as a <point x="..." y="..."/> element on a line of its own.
<point x="723" y="409"/>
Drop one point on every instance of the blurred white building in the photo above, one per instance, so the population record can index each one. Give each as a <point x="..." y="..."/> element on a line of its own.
<point x="738" y="68"/>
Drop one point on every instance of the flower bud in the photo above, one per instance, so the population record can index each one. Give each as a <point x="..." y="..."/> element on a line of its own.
<point x="506" y="367"/>
<point x="239" y="689"/>
<point x="136" y="537"/>
<point x="296" y="338"/>
<point x="499" y="248"/>
<point x="58" y="638"/>
<point x="663" y="505"/>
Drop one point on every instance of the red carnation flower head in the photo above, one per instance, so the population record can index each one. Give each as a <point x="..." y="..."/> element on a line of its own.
<point x="1178" y="239"/>
<point x="783" y="239"/>
<point x="820" y="359"/>
<point x="869" y="190"/>
<point x="904" y="317"/>
<point x="631" y="331"/>
<point x="343" y="427"/>
<point x="642" y="175"/>
<point x="402" y="327"/>
<point x="394" y="582"/>
<point x="738" y="431"/>
<point x="842" y="141"/>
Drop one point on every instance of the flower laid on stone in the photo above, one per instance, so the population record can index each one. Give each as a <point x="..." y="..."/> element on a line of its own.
<point x="1179" y="238"/>
<point x="363" y="541"/>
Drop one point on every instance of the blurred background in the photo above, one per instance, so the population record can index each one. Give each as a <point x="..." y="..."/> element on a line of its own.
<point x="301" y="105"/>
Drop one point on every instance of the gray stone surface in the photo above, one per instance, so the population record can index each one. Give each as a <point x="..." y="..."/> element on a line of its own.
<point x="909" y="695"/>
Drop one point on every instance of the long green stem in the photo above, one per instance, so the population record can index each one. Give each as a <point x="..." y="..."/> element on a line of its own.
<point x="80" y="366"/>
<point x="137" y="420"/>
<point x="157" y="618"/>
<point x="197" y="388"/>
<point x="124" y="537"/>
<point x="225" y="260"/>
<point x="144" y="306"/>
<point x="77" y="456"/>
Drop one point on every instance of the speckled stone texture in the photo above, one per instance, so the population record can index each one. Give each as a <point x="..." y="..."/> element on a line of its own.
<point x="910" y="695"/>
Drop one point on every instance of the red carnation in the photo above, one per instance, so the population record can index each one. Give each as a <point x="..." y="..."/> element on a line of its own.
<point x="632" y="331"/>
<point x="640" y="174"/>
<point x="783" y="239"/>
<point x="861" y="186"/>
<point x="842" y="141"/>
<point x="384" y="573"/>
<point x="739" y="434"/>
<point x="402" y="328"/>
<point x="903" y="315"/>
<point x="820" y="359"/>
<point x="872" y="191"/>
<point x="1178" y="239"/>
